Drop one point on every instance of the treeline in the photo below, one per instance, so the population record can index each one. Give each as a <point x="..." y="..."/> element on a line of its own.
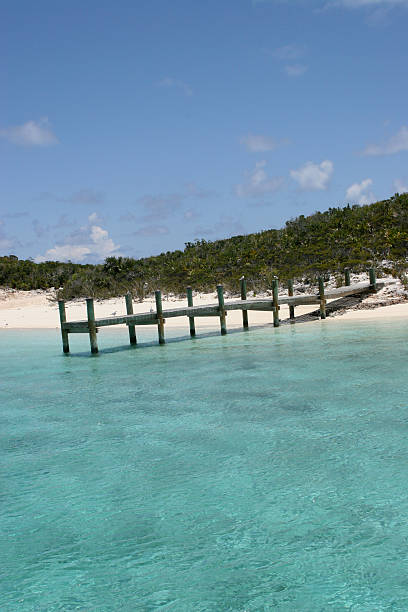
<point x="322" y="243"/>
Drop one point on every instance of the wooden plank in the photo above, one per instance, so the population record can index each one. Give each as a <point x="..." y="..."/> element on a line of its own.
<point x="159" y="313"/>
<point x="64" y="332"/>
<point x="190" y="304"/>
<point x="129" y="310"/>
<point x="223" y="324"/>
<point x="347" y="277"/>
<point x="209" y="310"/>
<point x="290" y="294"/>
<point x="373" y="279"/>
<point x="91" y="325"/>
<point x="322" y="299"/>
<point x="275" y="292"/>
<point x="243" y="287"/>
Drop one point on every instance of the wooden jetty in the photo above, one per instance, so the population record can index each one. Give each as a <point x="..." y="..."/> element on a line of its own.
<point x="92" y="324"/>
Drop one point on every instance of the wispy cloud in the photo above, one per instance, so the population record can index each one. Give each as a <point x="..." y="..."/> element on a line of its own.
<point x="313" y="177"/>
<point x="258" y="183"/>
<point x="30" y="134"/>
<point x="359" y="193"/>
<point x="83" y="196"/>
<point x="177" y="84"/>
<point x="152" y="230"/>
<point x="397" y="143"/>
<point x="91" y="243"/>
<point x="258" y="143"/>
<point x="288" y="52"/>
<point x="6" y="242"/>
<point x="158" y="207"/>
<point x="318" y="5"/>
<point x="295" y="70"/>
<point x="400" y="186"/>
<point x="353" y="4"/>
<point x="226" y="226"/>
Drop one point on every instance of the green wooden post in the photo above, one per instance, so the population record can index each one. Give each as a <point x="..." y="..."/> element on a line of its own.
<point x="373" y="279"/>
<point x="290" y="294"/>
<point x="190" y="303"/>
<point x="347" y="277"/>
<point x="129" y="310"/>
<point x="64" y="333"/>
<point x="244" y="297"/>
<point x="275" y="294"/>
<point x="220" y="293"/>
<point x="160" y="320"/>
<point x="322" y="298"/>
<point x="91" y="325"/>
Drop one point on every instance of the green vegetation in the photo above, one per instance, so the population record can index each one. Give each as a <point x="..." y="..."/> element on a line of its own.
<point x="322" y="243"/>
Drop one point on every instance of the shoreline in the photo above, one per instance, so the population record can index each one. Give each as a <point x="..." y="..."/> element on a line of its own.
<point x="21" y="310"/>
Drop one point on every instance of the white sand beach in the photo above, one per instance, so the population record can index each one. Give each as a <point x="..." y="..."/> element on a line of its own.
<point x="39" y="310"/>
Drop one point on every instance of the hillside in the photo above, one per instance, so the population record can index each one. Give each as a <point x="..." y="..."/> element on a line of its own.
<point x="325" y="242"/>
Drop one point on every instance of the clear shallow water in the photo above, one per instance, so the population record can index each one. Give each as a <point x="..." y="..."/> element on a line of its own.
<point x="259" y="471"/>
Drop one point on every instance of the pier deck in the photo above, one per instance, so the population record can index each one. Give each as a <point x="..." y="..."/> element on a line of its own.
<point x="92" y="323"/>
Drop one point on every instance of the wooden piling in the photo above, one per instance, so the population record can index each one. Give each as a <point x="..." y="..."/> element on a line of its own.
<point x="64" y="333"/>
<point x="290" y="294"/>
<point x="223" y="324"/>
<point x="347" y="277"/>
<point x="190" y="303"/>
<point x="244" y="297"/>
<point x="91" y="325"/>
<point x="322" y="298"/>
<point x="275" y="294"/>
<point x="129" y="311"/>
<point x="159" y="313"/>
<point x="373" y="279"/>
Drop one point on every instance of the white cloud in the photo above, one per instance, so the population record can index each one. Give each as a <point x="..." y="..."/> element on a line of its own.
<point x="395" y="144"/>
<point x="369" y="3"/>
<point x="295" y="70"/>
<point x="400" y="186"/>
<point x="93" y="217"/>
<point x="257" y="143"/>
<point x="170" y="82"/>
<point x="288" y="52"/>
<point x="258" y="183"/>
<point x="313" y="177"/>
<point x="30" y="134"/>
<point x="92" y="242"/>
<point x="64" y="252"/>
<point x="359" y="193"/>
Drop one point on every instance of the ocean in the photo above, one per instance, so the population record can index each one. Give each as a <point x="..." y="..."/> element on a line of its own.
<point x="263" y="470"/>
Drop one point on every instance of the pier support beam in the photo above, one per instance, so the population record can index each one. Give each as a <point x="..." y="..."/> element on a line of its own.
<point x="91" y="325"/>
<point x="223" y="324"/>
<point x="290" y="294"/>
<point x="322" y="298"/>
<point x="275" y="294"/>
<point x="347" y="277"/>
<point x="244" y="297"/>
<point x="160" y="320"/>
<point x="129" y="311"/>
<point x="373" y="279"/>
<point x="64" y="333"/>
<point x="191" y="319"/>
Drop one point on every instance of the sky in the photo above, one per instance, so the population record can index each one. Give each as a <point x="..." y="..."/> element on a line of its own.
<point x="130" y="128"/>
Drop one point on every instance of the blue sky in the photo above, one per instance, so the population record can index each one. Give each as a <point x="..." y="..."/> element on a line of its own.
<point x="130" y="128"/>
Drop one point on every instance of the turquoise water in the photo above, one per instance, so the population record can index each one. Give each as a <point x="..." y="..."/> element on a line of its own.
<point x="259" y="471"/>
